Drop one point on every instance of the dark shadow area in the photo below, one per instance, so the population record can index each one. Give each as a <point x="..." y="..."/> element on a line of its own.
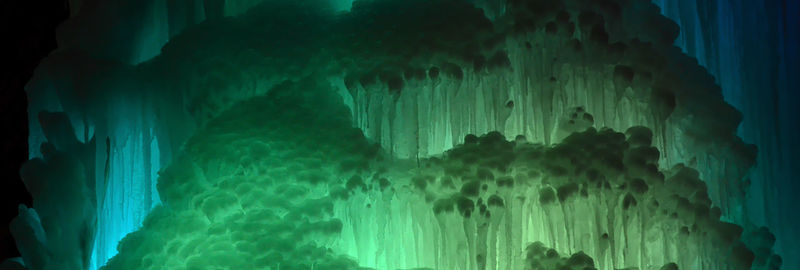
<point x="27" y="29"/>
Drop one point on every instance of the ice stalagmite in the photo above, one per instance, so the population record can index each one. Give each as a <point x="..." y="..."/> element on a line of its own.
<point x="58" y="233"/>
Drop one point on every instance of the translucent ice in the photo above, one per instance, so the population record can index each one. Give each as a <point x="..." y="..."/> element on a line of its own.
<point x="259" y="116"/>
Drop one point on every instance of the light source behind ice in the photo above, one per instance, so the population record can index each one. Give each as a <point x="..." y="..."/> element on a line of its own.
<point x="415" y="108"/>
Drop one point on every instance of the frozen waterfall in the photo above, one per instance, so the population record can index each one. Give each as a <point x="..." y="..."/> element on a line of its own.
<point x="206" y="126"/>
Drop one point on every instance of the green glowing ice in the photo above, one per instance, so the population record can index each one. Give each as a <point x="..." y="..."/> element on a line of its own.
<point x="284" y="182"/>
<point x="299" y="138"/>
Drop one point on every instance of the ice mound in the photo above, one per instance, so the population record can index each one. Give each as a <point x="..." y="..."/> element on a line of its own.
<point x="249" y="161"/>
<point x="251" y="192"/>
<point x="284" y="182"/>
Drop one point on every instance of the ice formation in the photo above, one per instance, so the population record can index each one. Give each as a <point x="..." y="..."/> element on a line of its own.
<point x="58" y="233"/>
<point x="284" y="181"/>
<point x="260" y="117"/>
<point x="750" y="47"/>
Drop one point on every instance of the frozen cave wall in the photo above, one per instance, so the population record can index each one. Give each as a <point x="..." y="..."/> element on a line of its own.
<point x="261" y="187"/>
<point x="541" y="69"/>
<point x="751" y="48"/>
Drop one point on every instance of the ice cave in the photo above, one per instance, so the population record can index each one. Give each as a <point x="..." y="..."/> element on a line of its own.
<point x="405" y="134"/>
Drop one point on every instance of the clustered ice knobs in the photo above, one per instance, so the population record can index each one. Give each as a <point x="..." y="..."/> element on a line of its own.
<point x="260" y="187"/>
<point x="267" y="173"/>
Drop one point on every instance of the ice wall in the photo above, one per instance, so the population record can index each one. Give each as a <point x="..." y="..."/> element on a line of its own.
<point x="751" y="49"/>
<point x="614" y="60"/>
<point x="132" y="143"/>
<point x="127" y="151"/>
<point x="526" y="71"/>
<point x="261" y="187"/>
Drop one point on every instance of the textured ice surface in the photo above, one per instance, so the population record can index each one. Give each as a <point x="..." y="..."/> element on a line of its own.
<point x="58" y="232"/>
<point x="749" y="47"/>
<point x="284" y="181"/>
<point x="416" y="83"/>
